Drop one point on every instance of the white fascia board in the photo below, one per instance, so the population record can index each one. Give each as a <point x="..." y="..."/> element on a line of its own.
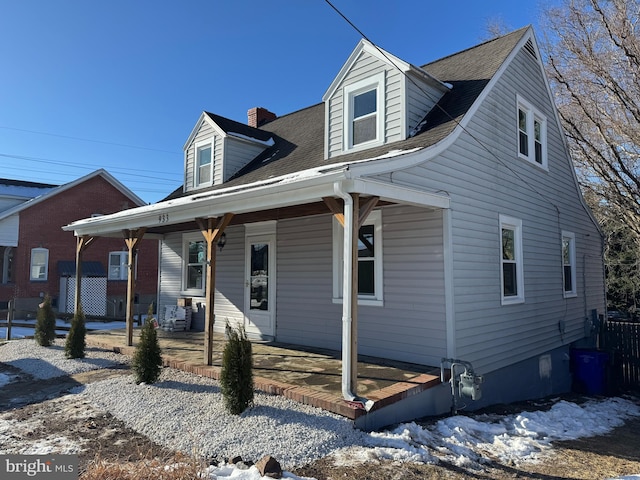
<point x="203" y="118"/>
<point x="264" y="143"/>
<point x="397" y="193"/>
<point x="281" y="192"/>
<point x="212" y="204"/>
<point x="427" y="77"/>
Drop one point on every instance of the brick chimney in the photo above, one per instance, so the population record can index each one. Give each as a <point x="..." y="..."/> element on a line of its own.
<point x="258" y="116"/>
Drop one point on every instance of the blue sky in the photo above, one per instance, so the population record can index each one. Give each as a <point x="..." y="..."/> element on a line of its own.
<point x="119" y="84"/>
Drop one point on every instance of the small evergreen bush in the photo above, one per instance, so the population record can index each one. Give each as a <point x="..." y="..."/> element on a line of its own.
<point x="76" y="338"/>
<point x="45" y="332"/>
<point x="147" y="360"/>
<point x="236" y="376"/>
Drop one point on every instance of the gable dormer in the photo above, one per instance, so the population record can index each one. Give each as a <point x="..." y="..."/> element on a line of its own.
<point x="376" y="99"/>
<point x="218" y="148"/>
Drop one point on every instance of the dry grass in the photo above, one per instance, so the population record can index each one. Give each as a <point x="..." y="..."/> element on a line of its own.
<point x="180" y="467"/>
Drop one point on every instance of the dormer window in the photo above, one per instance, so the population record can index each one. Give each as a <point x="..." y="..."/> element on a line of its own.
<point x="364" y="113"/>
<point x="204" y="164"/>
<point x="364" y="117"/>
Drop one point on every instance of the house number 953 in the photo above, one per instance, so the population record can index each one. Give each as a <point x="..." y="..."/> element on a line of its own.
<point x="163" y="218"/>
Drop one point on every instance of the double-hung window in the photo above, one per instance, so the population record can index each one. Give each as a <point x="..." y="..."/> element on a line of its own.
<point x="195" y="261"/>
<point x="39" y="264"/>
<point x="569" y="264"/>
<point x="118" y="266"/>
<point x="532" y="134"/>
<point x="369" y="261"/>
<point x="511" y="271"/>
<point x="364" y="113"/>
<point x="204" y="163"/>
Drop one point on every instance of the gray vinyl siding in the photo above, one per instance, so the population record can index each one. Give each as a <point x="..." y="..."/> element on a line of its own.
<point x="486" y="181"/>
<point x="305" y="312"/>
<point x="421" y="98"/>
<point x="411" y="324"/>
<point x="238" y="153"/>
<point x="170" y="279"/>
<point x="230" y="277"/>
<point x="365" y="67"/>
<point x="229" y="280"/>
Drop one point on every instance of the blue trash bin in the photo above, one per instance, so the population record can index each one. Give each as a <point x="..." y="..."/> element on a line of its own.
<point x="589" y="371"/>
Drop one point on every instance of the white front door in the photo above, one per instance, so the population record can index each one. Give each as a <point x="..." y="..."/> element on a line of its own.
<point x="260" y="286"/>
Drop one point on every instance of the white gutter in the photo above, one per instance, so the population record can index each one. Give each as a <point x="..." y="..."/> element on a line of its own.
<point x="347" y="279"/>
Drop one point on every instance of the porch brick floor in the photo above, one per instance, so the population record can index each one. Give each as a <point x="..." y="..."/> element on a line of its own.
<point x="308" y="375"/>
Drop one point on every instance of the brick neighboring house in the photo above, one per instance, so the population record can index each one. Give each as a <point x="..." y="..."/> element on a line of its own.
<point x="38" y="257"/>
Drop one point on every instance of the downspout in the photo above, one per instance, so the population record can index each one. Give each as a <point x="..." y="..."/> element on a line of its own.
<point x="349" y="369"/>
<point x="346" y="291"/>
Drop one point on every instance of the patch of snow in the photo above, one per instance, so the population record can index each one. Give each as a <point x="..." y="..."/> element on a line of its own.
<point x="465" y="441"/>
<point x="266" y="143"/>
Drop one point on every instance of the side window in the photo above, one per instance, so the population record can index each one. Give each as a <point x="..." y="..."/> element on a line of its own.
<point x="532" y="134"/>
<point x="511" y="271"/>
<point x="364" y="113"/>
<point x="194" y="261"/>
<point x="370" y="277"/>
<point x="569" y="264"/>
<point x="39" y="264"/>
<point x="204" y="163"/>
<point x="118" y="266"/>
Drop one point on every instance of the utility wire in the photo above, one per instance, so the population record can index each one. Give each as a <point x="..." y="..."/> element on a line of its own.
<point x="123" y="170"/>
<point x="89" y="140"/>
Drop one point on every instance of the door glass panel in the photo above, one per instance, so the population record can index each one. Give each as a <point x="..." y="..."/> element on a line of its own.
<point x="259" y="276"/>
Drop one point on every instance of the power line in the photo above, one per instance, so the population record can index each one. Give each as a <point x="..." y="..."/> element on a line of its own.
<point x="88" y="140"/>
<point x="124" y="170"/>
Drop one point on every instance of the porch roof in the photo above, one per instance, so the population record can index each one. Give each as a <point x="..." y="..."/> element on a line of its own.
<point x="265" y="200"/>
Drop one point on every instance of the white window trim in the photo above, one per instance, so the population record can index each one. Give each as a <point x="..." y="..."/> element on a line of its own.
<point x="514" y="224"/>
<point x="196" y="166"/>
<point x="46" y="265"/>
<point x="349" y="92"/>
<point x="124" y="266"/>
<point x="532" y="115"/>
<point x="572" y="242"/>
<point x="193" y="292"/>
<point x="377" y="300"/>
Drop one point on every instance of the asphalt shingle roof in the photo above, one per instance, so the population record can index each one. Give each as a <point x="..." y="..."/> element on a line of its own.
<point x="299" y="136"/>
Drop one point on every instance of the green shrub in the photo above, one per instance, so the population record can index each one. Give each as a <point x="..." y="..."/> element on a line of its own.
<point x="76" y="338"/>
<point x="147" y="360"/>
<point x="45" y="332"/>
<point x="236" y="376"/>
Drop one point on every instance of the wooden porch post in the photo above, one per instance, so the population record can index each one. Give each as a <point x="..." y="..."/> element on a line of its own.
<point x="131" y="239"/>
<point x="81" y="245"/>
<point x="361" y="211"/>
<point x="354" y="293"/>
<point x="211" y="235"/>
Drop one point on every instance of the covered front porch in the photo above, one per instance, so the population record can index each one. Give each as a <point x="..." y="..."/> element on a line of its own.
<point x="307" y="375"/>
<point x="294" y="216"/>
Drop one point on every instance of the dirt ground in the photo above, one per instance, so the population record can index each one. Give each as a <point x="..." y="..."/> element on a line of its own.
<point x="39" y="413"/>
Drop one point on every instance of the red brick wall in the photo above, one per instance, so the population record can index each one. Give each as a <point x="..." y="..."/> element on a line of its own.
<point x="41" y="226"/>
